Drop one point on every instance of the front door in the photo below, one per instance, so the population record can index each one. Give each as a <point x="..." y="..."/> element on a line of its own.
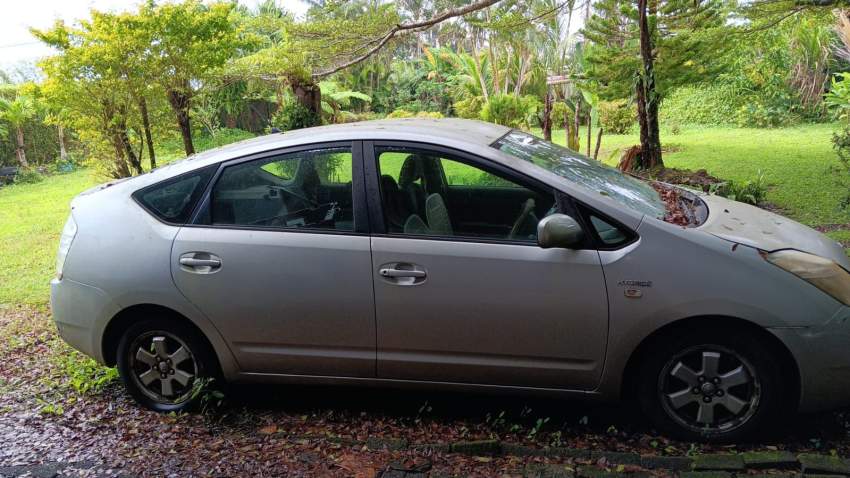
<point x="279" y="260"/>
<point x="462" y="292"/>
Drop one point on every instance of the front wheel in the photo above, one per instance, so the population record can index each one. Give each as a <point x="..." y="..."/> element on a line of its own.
<point x="163" y="364"/>
<point x="711" y="386"/>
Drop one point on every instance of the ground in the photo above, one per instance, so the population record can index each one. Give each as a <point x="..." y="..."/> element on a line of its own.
<point x="59" y="407"/>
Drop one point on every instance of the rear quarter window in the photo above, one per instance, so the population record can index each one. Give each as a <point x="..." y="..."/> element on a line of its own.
<point x="173" y="200"/>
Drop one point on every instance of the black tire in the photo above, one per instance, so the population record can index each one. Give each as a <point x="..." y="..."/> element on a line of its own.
<point x="201" y="364"/>
<point x="661" y="392"/>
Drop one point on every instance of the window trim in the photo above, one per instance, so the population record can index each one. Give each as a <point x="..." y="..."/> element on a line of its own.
<point x="376" y="212"/>
<point x="135" y="195"/>
<point x="361" y="218"/>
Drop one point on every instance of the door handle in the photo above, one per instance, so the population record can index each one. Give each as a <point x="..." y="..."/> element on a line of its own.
<point x="402" y="273"/>
<point x="199" y="262"/>
<point x="192" y="262"/>
<point x="397" y="273"/>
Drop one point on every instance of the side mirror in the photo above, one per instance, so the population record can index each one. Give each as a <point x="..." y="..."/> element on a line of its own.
<point x="559" y="230"/>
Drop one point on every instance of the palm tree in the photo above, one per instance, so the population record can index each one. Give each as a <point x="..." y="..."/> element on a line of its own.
<point x="17" y="113"/>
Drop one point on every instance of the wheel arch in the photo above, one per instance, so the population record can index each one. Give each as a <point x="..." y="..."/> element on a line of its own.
<point x="686" y="325"/>
<point x="128" y="316"/>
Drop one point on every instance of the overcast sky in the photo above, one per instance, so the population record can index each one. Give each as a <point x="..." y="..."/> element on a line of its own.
<point x="17" y="46"/>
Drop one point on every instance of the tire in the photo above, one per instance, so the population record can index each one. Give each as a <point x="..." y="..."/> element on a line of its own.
<point x="162" y="364"/>
<point x="680" y="392"/>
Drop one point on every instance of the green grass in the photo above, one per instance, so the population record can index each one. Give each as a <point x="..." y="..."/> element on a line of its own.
<point x="31" y="219"/>
<point x="798" y="162"/>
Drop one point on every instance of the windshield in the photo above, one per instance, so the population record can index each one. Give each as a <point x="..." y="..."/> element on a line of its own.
<point x="591" y="174"/>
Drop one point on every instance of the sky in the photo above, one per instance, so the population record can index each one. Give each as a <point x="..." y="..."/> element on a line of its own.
<point x="18" y="47"/>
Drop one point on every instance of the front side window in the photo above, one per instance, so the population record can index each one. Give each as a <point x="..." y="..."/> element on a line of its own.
<point x="172" y="200"/>
<point x="306" y="189"/>
<point x="426" y="193"/>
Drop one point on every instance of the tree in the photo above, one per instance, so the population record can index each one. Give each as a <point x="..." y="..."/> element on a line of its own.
<point x="188" y="42"/>
<point x="644" y="49"/>
<point x="17" y="112"/>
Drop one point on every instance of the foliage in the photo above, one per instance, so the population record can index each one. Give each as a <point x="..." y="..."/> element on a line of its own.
<point x="512" y="111"/>
<point x="715" y="104"/>
<point x="335" y="100"/>
<point x="616" y="117"/>
<point x="469" y="108"/>
<point x="28" y="176"/>
<point x="294" y="115"/>
<point x="561" y="112"/>
<point x="401" y="113"/>
<point x="753" y="191"/>
<point x="758" y="114"/>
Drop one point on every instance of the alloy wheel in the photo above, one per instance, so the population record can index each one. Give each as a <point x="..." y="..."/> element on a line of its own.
<point x="163" y="367"/>
<point x="709" y="389"/>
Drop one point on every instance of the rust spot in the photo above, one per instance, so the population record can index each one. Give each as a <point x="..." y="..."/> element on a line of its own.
<point x="734" y="247"/>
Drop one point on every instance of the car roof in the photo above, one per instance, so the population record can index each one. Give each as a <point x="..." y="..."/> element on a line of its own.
<point x="443" y="131"/>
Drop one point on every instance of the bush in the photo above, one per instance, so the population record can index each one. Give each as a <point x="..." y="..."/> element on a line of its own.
<point x="750" y="192"/>
<point x="616" y="117"/>
<point x="28" y="176"/>
<point x="430" y="114"/>
<point x="559" y="108"/>
<point x="757" y="114"/>
<point x="704" y="104"/>
<point x="469" y="108"/>
<point x="512" y="111"/>
<point x="400" y="113"/>
<point x="294" y="115"/>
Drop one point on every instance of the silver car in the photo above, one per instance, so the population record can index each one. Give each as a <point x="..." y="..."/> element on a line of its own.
<point x="457" y="254"/>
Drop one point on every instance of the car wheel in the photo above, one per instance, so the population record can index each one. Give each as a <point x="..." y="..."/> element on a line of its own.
<point x="163" y="363"/>
<point x="712" y="386"/>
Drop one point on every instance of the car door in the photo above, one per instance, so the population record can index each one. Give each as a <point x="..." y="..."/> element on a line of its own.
<point x="278" y="258"/>
<point x="462" y="291"/>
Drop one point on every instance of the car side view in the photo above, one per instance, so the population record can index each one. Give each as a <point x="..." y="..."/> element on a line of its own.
<point x="454" y="254"/>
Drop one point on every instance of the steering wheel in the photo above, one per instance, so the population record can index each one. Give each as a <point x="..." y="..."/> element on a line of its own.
<point x="527" y="210"/>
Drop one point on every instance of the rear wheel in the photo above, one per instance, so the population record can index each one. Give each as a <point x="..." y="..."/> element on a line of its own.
<point x="163" y="363"/>
<point x="712" y="386"/>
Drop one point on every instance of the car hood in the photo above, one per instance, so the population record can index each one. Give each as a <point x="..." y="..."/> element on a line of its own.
<point x="751" y="226"/>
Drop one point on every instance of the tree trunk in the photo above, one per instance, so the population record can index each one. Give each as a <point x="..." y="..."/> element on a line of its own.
<point x="180" y="102"/>
<point x="589" y="133"/>
<point x="577" y="126"/>
<point x="547" y="116"/>
<point x="19" y="149"/>
<point x="146" y="124"/>
<point x="650" y="137"/>
<point x="63" y="151"/>
<point x="567" y="132"/>
<point x="598" y="144"/>
<point x="476" y="57"/>
<point x="310" y="96"/>
<point x="121" y="131"/>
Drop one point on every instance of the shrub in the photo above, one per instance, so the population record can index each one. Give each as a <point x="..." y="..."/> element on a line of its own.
<point x="400" y="113"/>
<point x="757" y="114"/>
<point x="512" y="111"/>
<point x="704" y="104"/>
<point x="750" y="192"/>
<point x="294" y="115"/>
<point x="430" y="114"/>
<point x="559" y="108"/>
<point x="470" y="108"/>
<point x="28" y="176"/>
<point x="616" y="117"/>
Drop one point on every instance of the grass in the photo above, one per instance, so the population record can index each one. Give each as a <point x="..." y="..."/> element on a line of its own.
<point x="798" y="162"/>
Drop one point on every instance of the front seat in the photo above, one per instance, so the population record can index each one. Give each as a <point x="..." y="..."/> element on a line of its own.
<point x="413" y="194"/>
<point x="437" y="215"/>
<point x="304" y="187"/>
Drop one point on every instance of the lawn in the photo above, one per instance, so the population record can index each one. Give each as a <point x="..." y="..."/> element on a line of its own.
<point x="798" y="162"/>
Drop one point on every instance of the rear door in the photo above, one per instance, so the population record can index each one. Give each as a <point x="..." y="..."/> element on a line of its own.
<point x="278" y="258"/>
<point x="462" y="291"/>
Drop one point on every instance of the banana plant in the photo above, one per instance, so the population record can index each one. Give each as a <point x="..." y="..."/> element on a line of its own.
<point x="592" y="99"/>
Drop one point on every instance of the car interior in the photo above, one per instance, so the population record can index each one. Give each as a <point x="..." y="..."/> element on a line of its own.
<point x="301" y="190"/>
<point x="423" y="198"/>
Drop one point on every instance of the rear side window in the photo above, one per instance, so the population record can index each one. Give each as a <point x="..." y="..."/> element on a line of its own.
<point x="172" y="200"/>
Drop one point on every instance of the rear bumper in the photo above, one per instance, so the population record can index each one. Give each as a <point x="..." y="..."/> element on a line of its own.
<point x="823" y="357"/>
<point x="81" y="312"/>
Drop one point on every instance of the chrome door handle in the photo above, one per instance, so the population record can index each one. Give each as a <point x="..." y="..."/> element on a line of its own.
<point x="396" y="273"/>
<point x="192" y="262"/>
